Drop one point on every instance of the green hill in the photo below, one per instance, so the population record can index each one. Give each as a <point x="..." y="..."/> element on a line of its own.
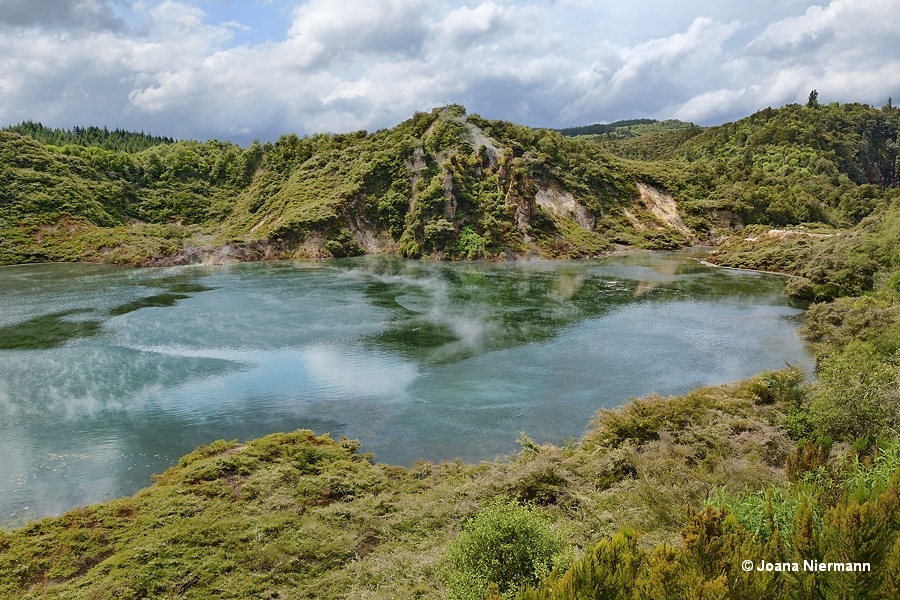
<point x="444" y="185"/>
<point x="831" y="164"/>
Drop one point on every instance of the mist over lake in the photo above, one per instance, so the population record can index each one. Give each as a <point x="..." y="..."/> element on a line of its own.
<point x="108" y="375"/>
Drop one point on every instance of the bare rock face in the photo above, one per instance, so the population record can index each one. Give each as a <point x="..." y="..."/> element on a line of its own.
<point x="450" y="203"/>
<point x="365" y="233"/>
<point x="663" y="207"/>
<point x="563" y="204"/>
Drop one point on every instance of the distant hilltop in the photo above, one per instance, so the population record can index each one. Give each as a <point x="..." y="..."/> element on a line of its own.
<point x="117" y="139"/>
<point x="627" y="128"/>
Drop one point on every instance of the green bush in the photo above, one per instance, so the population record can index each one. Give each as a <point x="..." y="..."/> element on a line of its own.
<point x="857" y="393"/>
<point x="506" y="544"/>
<point x="469" y="244"/>
<point x="783" y="387"/>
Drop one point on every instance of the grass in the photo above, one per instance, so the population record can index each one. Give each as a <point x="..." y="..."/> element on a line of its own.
<point x="303" y="516"/>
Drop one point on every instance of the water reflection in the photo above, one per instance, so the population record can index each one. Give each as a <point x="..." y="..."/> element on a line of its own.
<point x="442" y="314"/>
<point x="47" y="331"/>
<point x="158" y="301"/>
<point x="416" y="359"/>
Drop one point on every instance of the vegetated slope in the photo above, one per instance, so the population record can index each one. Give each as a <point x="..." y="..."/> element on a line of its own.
<point x="798" y="164"/>
<point x="836" y="508"/>
<point x="661" y="494"/>
<point x="442" y="184"/>
<point x="821" y="184"/>
<point x="90" y="203"/>
<point x="301" y="516"/>
<point x="447" y="185"/>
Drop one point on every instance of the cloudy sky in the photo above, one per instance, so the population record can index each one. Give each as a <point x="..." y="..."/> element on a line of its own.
<point x="245" y="69"/>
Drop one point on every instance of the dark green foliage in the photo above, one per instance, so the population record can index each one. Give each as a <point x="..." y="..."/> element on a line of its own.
<point x="180" y="540"/>
<point x="80" y="202"/>
<point x="341" y="244"/>
<point x="813" y="101"/>
<point x="469" y="244"/>
<point x="447" y="184"/>
<point x="296" y="515"/>
<point x="781" y="167"/>
<point x="600" y="128"/>
<point x="40" y="187"/>
<point x="858" y="527"/>
<point x="829" y="264"/>
<point x="609" y="570"/>
<point x="626" y="129"/>
<point x="782" y="387"/>
<point x="542" y="488"/>
<point x="118" y="139"/>
<point x="811" y="455"/>
<point x="643" y="419"/>
<point x="837" y="323"/>
<point x="858" y="393"/>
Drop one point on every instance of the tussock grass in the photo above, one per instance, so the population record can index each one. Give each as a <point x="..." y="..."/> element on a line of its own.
<point x="303" y="516"/>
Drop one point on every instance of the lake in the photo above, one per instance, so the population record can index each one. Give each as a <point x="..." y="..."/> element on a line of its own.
<point x="108" y="375"/>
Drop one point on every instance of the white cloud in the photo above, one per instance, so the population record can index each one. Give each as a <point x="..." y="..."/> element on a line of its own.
<point x="864" y="22"/>
<point x="710" y="104"/>
<point x="669" y="57"/>
<point x="653" y="75"/>
<point x="350" y="64"/>
<point x="464" y="26"/>
<point x="328" y="30"/>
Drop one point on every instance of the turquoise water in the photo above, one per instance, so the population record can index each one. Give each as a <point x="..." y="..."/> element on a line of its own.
<point x="108" y="375"/>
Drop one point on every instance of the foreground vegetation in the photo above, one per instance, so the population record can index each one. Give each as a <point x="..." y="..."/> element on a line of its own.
<point x="661" y="494"/>
<point x="296" y="515"/>
<point x="663" y="497"/>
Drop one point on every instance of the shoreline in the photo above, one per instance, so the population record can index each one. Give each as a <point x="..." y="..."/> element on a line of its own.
<point x="712" y="264"/>
<point x="230" y="258"/>
<point x="560" y="262"/>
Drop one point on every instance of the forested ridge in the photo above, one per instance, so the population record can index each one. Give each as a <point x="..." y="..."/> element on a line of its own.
<point x="442" y="184"/>
<point x="624" y="129"/>
<point x="118" y="139"/>
<point x="662" y="497"/>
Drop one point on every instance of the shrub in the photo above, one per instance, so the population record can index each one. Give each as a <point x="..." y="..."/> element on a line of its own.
<point x="506" y="544"/>
<point x="469" y="244"/>
<point x="610" y="570"/>
<point x="857" y="393"/>
<point x="810" y="455"/>
<point x="782" y="386"/>
<point x="438" y="233"/>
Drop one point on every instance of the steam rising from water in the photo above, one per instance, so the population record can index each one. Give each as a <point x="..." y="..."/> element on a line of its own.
<point x="418" y="360"/>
